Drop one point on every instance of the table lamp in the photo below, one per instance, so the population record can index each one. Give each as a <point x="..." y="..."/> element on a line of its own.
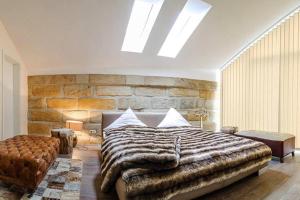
<point x="74" y="125"/>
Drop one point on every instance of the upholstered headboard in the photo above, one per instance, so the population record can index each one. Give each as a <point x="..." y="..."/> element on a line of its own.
<point x="150" y="119"/>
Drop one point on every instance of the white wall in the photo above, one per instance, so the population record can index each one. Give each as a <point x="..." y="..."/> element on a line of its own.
<point x="9" y="49"/>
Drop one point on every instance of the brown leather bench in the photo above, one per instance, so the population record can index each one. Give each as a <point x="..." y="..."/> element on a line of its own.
<point x="281" y="144"/>
<point x="24" y="160"/>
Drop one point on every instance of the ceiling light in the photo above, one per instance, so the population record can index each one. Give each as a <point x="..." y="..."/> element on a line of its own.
<point x="189" y="18"/>
<point x="142" y="19"/>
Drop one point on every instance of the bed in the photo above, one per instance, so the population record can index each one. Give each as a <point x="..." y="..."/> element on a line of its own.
<point x="210" y="169"/>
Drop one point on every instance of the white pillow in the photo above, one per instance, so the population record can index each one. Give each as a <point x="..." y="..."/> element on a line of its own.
<point x="173" y="119"/>
<point x="127" y="118"/>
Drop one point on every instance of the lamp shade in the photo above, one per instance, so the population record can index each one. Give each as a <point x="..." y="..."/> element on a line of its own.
<point x="74" y="125"/>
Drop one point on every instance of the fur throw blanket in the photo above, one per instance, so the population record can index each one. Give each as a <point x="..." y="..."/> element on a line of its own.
<point x="126" y="148"/>
<point x="204" y="158"/>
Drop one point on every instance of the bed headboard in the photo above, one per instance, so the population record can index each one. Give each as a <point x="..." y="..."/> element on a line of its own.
<point x="150" y="119"/>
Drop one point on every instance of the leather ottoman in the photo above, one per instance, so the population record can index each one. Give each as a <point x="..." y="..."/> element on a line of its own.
<point x="281" y="144"/>
<point x="24" y="160"/>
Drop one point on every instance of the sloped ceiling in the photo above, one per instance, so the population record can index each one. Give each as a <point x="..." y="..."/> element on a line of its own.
<point x="85" y="36"/>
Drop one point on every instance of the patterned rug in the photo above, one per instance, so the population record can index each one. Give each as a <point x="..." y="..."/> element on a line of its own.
<point x="61" y="182"/>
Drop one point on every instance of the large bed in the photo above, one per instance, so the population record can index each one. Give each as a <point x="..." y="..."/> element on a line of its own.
<point x="207" y="161"/>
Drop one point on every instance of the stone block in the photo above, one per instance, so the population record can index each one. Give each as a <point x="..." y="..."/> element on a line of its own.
<point x="96" y="104"/>
<point x="52" y="79"/>
<point x="78" y="115"/>
<point x="95" y="117"/>
<point x="186" y="83"/>
<point x="45" y="90"/>
<point x="48" y="116"/>
<point x="36" y="80"/>
<point x="53" y="125"/>
<point x="200" y="103"/>
<point x="136" y="103"/>
<point x="188" y="103"/>
<point x="147" y="91"/>
<point x="159" y="81"/>
<point x="113" y="91"/>
<point x="213" y="85"/>
<point x="82" y="78"/>
<point x="191" y="116"/>
<point x="163" y="103"/>
<point x="207" y="85"/>
<point x="61" y="79"/>
<point x="62" y="103"/>
<point x="135" y="80"/>
<point x="36" y="103"/>
<point x="183" y="92"/>
<point x="101" y="79"/>
<point x="78" y="90"/>
<point x="38" y="128"/>
<point x="208" y="94"/>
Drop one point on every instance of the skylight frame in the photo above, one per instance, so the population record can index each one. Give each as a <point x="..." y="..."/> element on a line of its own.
<point x="186" y="23"/>
<point x="142" y="19"/>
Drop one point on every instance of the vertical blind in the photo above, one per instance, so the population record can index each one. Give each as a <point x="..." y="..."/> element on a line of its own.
<point x="261" y="88"/>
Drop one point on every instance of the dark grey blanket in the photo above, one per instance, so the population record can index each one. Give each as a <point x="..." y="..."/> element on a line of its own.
<point x="126" y="148"/>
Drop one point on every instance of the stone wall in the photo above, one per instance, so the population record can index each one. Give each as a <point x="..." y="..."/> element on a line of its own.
<point x="53" y="99"/>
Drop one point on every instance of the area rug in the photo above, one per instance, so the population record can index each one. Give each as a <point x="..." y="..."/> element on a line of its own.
<point x="62" y="182"/>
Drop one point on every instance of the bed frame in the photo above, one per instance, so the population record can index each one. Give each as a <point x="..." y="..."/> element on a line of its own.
<point x="153" y="119"/>
<point x="193" y="194"/>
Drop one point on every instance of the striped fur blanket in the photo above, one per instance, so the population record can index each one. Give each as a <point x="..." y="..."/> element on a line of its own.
<point x="204" y="158"/>
<point x="131" y="148"/>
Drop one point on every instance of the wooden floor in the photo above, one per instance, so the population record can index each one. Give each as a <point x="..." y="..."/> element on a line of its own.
<point x="279" y="181"/>
<point x="89" y="154"/>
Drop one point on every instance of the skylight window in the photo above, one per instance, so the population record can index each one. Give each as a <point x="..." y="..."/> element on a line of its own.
<point x="142" y="19"/>
<point x="189" y="18"/>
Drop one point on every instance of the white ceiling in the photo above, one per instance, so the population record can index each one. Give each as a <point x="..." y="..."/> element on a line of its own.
<point x="85" y="36"/>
